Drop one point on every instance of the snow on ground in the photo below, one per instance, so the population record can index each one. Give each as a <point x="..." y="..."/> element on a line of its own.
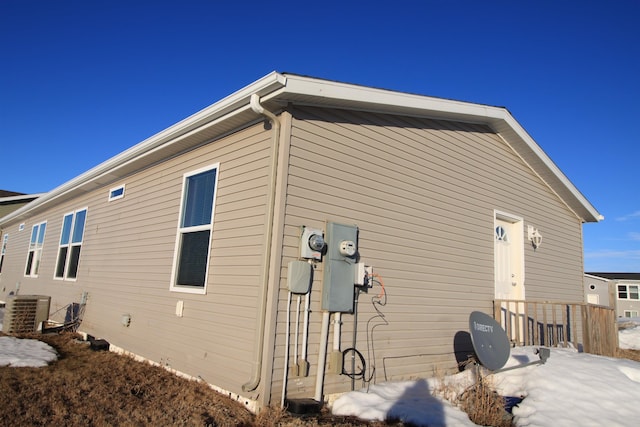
<point x="629" y="330"/>
<point x="570" y="389"/>
<point x="16" y="352"/>
<point x="21" y="353"/>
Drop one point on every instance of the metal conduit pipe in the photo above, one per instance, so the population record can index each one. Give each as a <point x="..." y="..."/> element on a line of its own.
<point x="253" y="383"/>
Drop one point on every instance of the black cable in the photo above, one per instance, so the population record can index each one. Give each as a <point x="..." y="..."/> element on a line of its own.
<point x="378" y="300"/>
<point x="362" y="361"/>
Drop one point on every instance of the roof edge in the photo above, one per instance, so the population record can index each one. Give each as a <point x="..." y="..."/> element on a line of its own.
<point x="283" y="86"/>
<point x="225" y="106"/>
<point x="498" y="118"/>
<point x="20" y="197"/>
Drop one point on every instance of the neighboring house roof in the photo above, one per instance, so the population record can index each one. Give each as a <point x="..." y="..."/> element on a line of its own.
<point x="276" y="90"/>
<point x="592" y="277"/>
<point x="5" y="193"/>
<point x="11" y="201"/>
<point x="617" y="276"/>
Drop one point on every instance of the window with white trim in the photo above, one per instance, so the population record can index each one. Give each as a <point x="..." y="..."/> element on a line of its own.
<point x="628" y="292"/>
<point x="5" y="239"/>
<point x="35" y="249"/>
<point x="71" y="238"/>
<point x="193" y="238"/>
<point x="116" y="193"/>
<point x="630" y="313"/>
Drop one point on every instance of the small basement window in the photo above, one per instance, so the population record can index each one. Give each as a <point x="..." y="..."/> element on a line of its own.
<point x="116" y="193"/>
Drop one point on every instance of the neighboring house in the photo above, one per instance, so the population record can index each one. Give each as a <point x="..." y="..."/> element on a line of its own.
<point x="10" y="201"/>
<point x="599" y="291"/>
<point x="188" y="243"/>
<point x="624" y="289"/>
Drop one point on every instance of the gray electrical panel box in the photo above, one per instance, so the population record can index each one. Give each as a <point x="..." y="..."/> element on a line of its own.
<point x="299" y="277"/>
<point x="339" y="267"/>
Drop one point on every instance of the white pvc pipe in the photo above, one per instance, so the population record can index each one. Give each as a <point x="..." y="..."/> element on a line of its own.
<point x="286" y="350"/>
<point x="305" y="331"/>
<point x="337" y="322"/>
<point x="322" y="355"/>
<point x="296" y="332"/>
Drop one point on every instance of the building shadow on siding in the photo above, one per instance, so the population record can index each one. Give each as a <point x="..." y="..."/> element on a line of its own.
<point x="463" y="349"/>
<point x="381" y="119"/>
<point x="418" y="406"/>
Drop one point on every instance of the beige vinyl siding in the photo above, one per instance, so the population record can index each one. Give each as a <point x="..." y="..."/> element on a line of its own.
<point x="8" y="207"/>
<point x="127" y="256"/>
<point x="423" y="194"/>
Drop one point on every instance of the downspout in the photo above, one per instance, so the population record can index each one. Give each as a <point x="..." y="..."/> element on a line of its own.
<point x="253" y="383"/>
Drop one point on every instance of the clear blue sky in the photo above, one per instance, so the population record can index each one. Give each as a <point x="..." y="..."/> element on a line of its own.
<point x="81" y="81"/>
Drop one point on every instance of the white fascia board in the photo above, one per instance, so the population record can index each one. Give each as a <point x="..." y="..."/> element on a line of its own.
<point x="367" y="95"/>
<point x="19" y="198"/>
<point x="602" y="279"/>
<point x="281" y="86"/>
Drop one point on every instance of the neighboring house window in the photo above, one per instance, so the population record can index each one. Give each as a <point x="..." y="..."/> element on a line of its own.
<point x="35" y="249"/>
<point x="116" y="193"/>
<point x="628" y="292"/>
<point x="71" y="239"/>
<point x="5" y="238"/>
<point x="630" y="313"/>
<point x="193" y="240"/>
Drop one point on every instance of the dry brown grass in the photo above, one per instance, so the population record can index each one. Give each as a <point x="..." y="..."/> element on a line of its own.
<point x="99" y="388"/>
<point x="484" y="406"/>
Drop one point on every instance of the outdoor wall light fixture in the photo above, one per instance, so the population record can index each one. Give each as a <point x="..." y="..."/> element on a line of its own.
<point x="534" y="236"/>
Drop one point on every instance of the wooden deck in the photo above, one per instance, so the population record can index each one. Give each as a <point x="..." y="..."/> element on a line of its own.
<point x="586" y="327"/>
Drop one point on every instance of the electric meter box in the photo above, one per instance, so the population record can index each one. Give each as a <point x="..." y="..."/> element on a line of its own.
<point x="339" y="267"/>
<point x="299" y="277"/>
<point x="311" y="243"/>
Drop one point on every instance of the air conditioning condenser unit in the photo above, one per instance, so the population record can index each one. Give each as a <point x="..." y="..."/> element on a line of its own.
<point x="25" y="313"/>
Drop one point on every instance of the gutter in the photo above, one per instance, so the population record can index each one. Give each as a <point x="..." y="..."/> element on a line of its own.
<point x="197" y="122"/>
<point x="253" y="383"/>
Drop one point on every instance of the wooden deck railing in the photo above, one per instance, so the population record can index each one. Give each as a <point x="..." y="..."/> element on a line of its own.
<point x="589" y="328"/>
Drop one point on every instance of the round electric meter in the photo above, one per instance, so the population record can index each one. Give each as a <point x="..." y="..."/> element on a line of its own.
<point x="316" y="242"/>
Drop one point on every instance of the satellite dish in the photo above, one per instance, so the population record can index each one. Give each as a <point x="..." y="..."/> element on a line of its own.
<point x="490" y="341"/>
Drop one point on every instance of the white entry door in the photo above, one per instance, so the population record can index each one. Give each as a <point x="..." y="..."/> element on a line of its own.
<point x="509" y="280"/>
<point x="509" y="275"/>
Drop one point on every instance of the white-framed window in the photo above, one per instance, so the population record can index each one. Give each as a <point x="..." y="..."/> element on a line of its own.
<point x="195" y="226"/>
<point x="5" y="239"/>
<point x="628" y="292"/>
<point x="35" y="249"/>
<point x="71" y="238"/>
<point x="630" y="313"/>
<point x="116" y="193"/>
